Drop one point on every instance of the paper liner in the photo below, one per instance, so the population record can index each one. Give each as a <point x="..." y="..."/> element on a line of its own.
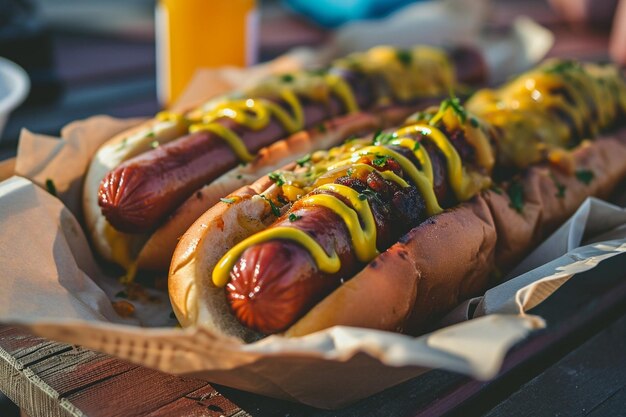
<point x="53" y="285"/>
<point x="53" y="294"/>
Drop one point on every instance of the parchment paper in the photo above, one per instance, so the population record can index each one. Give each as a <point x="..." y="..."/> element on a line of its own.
<point x="53" y="285"/>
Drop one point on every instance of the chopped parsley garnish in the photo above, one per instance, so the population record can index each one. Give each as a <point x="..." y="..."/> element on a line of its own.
<point x="562" y="67"/>
<point x="52" y="189"/>
<point x="516" y="194"/>
<point x="380" y="160"/>
<point x="585" y="176"/>
<point x="154" y="144"/>
<point x="293" y="217"/>
<point x="422" y="117"/>
<point x="239" y="176"/>
<point x="306" y="158"/>
<point x="286" y="78"/>
<point x="381" y="138"/>
<point x="370" y="193"/>
<point x="404" y="56"/>
<point x="275" y="210"/>
<point x="474" y="122"/>
<point x="416" y="146"/>
<point x="277" y="177"/>
<point x="560" y="188"/>
<point x="150" y="135"/>
<point x="349" y="172"/>
<point x="455" y="104"/>
<point x="227" y="200"/>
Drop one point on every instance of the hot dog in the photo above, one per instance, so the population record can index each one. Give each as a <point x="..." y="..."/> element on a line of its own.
<point x="392" y="233"/>
<point x="139" y="200"/>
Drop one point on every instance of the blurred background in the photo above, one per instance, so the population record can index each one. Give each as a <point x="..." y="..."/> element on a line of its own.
<point x="98" y="56"/>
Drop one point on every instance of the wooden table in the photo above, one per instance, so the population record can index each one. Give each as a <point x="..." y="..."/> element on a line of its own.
<point x="576" y="366"/>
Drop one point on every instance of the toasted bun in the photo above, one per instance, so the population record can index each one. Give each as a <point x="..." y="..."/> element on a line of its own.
<point x="154" y="251"/>
<point x="157" y="252"/>
<point x="415" y="281"/>
<point x="115" y="151"/>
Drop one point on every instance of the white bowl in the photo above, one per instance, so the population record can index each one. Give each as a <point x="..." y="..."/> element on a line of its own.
<point x="14" y="86"/>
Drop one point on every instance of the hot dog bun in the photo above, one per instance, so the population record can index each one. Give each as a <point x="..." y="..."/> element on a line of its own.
<point x="317" y="266"/>
<point x="154" y="250"/>
<point x="396" y="291"/>
<point x="364" y="92"/>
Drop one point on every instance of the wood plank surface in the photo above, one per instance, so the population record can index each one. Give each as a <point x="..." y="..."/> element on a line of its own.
<point x="53" y="379"/>
<point x="589" y="381"/>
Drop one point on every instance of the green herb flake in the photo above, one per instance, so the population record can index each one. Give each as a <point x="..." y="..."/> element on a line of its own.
<point x="474" y="122"/>
<point x="150" y="135"/>
<point x="516" y="194"/>
<point x="294" y="217"/>
<point x="562" y="67"/>
<point x="52" y="189"/>
<point x="362" y="197"/>
<point x="373" y="194"/>
<point x="560" y="188"/>
<point x="275" y="210"/>
<point x="239" y="176"/>
<point x="381" y="138"/>
<point x="404" y="56"/>
<point x="278" y="178"/>
<point x="417" y="146"/>
<point x="585" y="176"/>
<point x="455" y="104"/>
<point x="349" y="172"/>
<point x="380" y="160"/>
<point x="287" y="78"/>
<point x="227" y="200"/>
<point x="304" y="160"/>
<point x="154" y="144"/>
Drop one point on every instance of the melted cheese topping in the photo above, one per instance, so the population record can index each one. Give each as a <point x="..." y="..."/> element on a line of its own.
<point x="544" y="109"/>
<point x="410" y="74"/>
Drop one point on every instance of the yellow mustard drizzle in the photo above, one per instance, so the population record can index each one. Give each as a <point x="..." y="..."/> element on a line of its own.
<point x="230" y="137"/>
<point x="460" y="182"/>
<point x="363" y="237"/>
<point x="326" y="263"/>
<point x="419" y="152"/>
<point x="331" y="176"/>
<point x="419" y="178"/>
<point x="519" y="116"/>
<point x="256" y="113"/>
